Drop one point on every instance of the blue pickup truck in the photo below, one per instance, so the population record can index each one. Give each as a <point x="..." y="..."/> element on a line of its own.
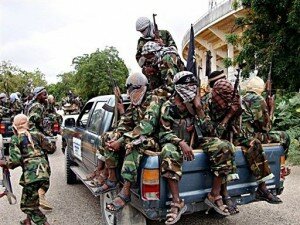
<point x="81" y="139"/>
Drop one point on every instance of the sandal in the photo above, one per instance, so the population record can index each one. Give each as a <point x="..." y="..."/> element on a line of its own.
<point x="27" y="221"/>
<point x="90" y="176"/>
<point x="266" y="195"/>
<point x="175" y="212"/>
<point x="216" y="204"/>
<point x="231" y="205"/>
<point x="100" y="180"/>
<point x="117" y="207"/>
<point x="107" y="186"/>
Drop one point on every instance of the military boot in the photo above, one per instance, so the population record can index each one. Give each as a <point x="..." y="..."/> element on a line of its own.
<point x="43" y="202"/>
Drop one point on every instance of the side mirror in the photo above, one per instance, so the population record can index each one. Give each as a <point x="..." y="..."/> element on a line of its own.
<point x="70" y="122"/>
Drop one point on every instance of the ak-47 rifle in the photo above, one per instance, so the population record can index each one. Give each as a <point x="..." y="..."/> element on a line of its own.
<point x="269" y="96"/>
<point x="208" y="63"/>
<point x="156" y="31"/>
<point x="118" y="99"/>
<point x="5" y="182"/>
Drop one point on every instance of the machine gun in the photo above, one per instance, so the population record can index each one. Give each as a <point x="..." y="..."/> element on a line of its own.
<point x="269" y="96"/>
<point x="5" y="182"/>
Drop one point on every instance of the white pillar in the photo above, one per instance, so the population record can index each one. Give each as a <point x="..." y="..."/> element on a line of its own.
<point x="213" y="60"/>
<point x="231" y="70"/>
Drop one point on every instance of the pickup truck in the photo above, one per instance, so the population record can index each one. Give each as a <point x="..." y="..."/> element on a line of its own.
<point x="150" y="195"/>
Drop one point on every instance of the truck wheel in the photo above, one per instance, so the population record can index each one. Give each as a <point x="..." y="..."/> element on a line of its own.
<point x="129" y="215"/>
<point x="70" y="175"/>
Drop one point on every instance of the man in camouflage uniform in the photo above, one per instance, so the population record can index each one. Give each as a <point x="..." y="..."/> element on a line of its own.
<point x="256" y="119"/>
<point x="4" y="106"/>
<point x="36" y="114"/>
<point x="16" y="105"/>
<point x="160" y="64"/>
<point x="146" y="27"/>
<point x="51" y="115"/>
<point x="28" y="150"/>
<point x="228" y="105"/>
<point x="140" y="118"/>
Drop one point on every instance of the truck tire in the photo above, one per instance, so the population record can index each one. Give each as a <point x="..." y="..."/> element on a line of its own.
<point x="129" y="215"/>
<point x="70" y="175"/>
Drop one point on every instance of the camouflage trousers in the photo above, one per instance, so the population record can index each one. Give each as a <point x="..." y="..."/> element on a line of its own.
<point x="46" y="185"/>
<point x="171" y="162"/>
<point x="30" y="203"/>
<point x="221" y="157"/>
<point x="281" y="137"/>
<point x="133" y="158"/>
<point x="112" y="159"/>
<point x="255" y="156"/>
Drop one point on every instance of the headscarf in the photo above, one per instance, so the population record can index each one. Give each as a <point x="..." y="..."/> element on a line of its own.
<point x="21" y="126"/>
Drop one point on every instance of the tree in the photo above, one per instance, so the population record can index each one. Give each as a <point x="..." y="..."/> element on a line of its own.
<point x="93" y="72"/>
<point x="271" y="33"/>
<point x="13" y="79"/>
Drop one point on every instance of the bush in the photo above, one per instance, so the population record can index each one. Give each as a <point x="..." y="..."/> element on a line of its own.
<point x="287" y="118"/>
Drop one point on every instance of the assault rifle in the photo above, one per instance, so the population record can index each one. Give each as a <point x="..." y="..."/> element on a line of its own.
<point x="156" y="31"/>
<point x="269" y="96"/>
<point x="208" y="63"/>
<point x="118" y="99"/>
<point x="5" y="182"/>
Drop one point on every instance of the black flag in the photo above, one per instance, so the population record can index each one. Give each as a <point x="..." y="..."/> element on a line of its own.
<point x="191" y="59"/>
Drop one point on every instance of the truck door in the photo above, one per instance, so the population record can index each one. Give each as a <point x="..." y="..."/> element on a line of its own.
<point x="93" y="136"/>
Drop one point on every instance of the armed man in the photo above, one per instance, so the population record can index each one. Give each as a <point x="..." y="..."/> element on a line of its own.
<point x="4" y="106"/>
<point x="160" y="64"/>
<point x="16" y="105"/>
<point x="150" y="32"/>
<point x="36" y="114"/>
<point x="257" y="120"/>
<point x="142" y="103"/>
<point x="28" y="149"/>
<point x="224" y="101"/>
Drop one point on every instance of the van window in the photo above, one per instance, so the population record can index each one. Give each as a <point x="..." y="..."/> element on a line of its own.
<point x="96" y="118"/>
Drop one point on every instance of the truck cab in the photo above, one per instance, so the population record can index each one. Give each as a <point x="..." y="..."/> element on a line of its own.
<point x="150" y="195"/>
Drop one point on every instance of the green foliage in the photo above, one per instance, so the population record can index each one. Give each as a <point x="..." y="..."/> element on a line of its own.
<point x="13" y="79"/>
<point x="271" y="33"/>
<point x="232" y="39"/>
<point x="287" y="118"/>
<point x="93" y="72"/>
<point x="227" y="62"/>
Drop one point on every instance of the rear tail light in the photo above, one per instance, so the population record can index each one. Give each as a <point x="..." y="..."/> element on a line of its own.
<point x="282" y="168"/>
<point x="150" y="184"/>
<point x="56" y="128"/>
<point x="2" y="128"/>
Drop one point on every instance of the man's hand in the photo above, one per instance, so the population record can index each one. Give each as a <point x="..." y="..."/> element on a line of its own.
<point x="113" y="145"/>
<point x="187" y="151"/>
<point x="148" y="70"/>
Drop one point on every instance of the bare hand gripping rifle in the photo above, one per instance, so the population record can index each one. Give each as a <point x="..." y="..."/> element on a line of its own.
<point x="5" y="182"/>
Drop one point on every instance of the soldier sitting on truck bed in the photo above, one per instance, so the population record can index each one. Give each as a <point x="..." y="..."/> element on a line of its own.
<point x="179" y="117"/>
<point x="141" y="100"/>
<point x="257" y="121"/>
<point x="16" y="105"/>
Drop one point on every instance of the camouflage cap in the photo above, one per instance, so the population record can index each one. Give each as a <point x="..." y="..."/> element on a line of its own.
<point x="150" y="47"/>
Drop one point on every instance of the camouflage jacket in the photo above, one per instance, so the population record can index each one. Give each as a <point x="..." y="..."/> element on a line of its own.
<point x="32" y="160"/>
<point x="255" y="118"/>
<point x="4" y="111"/>
<point x="36" y="115"/>
<point x="164" y="35"/>
<point x="209" y="124"/>
<point x="166" y="65"/>
<point x="16" y="107"/>
<point x="131" y="118"/>
<point x="174" y="124"/>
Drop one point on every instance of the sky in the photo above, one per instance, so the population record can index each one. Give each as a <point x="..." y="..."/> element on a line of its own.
<point x="48" y="34"/>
